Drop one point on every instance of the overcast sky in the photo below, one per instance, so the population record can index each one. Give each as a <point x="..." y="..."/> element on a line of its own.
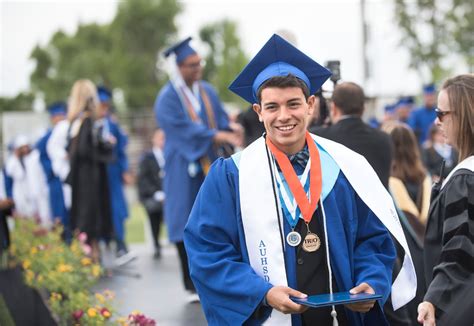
<point x="324" y="29"/>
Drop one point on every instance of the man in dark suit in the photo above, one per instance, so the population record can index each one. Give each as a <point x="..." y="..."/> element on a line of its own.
<point x="347" y="107"/>
<point x="150" y="190"/>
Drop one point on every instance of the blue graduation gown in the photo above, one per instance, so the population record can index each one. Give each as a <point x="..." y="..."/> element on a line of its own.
<point x="56" y="196"/>
<point x="360" y="247"/>
<point x="186" y="142"/>
<point x="115" y="170"/>
<point x="8" y="183"/>
<point x="421" y="121"/>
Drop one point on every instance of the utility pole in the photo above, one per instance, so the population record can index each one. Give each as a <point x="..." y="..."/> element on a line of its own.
<point x="365" y="29"/>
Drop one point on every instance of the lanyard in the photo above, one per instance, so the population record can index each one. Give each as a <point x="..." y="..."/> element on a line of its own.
<point x="307" y="207"/>
<point x="287" y="199"/>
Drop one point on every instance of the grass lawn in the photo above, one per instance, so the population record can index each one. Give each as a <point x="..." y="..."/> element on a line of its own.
<point x="135" y="225"/>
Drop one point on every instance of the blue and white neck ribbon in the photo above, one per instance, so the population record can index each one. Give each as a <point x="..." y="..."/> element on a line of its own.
<point x="290" y="207"/>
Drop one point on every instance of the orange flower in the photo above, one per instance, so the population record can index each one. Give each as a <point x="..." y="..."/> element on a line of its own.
<point x="26" y="264"/>
<point x="86" y="261"/>
<point x="91" y="312"/>
<point x="56" y="296"/>
<point x="96" y="270"/>
<point x="105" y="312"/>
<point x="63" y="268"/>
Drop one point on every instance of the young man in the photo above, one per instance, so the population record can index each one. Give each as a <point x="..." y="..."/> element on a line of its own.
<point x="195" y="124"/>
<point x="57" y="112"/>
<point x="291" y="215"/>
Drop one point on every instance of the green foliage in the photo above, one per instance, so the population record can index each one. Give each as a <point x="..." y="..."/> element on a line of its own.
<point x="121" y="54"/>
<point x="67" y="274"/>
<point x="434" y="29"/>
<point x="225" y="59"/>
<point x="64" y="272"/>
<point x="21" y="102"/>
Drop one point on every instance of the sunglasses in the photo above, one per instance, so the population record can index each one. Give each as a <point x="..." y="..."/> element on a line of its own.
<point x="440" y="114"/>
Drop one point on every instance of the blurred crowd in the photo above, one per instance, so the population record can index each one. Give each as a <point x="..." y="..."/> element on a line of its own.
<point x="75" y="173"/>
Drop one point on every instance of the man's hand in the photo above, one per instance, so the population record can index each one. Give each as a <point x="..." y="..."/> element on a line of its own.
<point x="6" y="203"/>
<point x="426" y="314"/>
<point x="278" y="297"/>
<point x="361" y="306"/>
<point x="128" y="178"/>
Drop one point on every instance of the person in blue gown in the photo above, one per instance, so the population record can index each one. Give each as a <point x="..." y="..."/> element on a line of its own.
<point x="421" y="119"/>
<point x="197" y="130"/>
<point x="6" y="204"/>
<point x="117" y="170"/>
<point x="240" y="235"/>
<point x="59" y="211"/>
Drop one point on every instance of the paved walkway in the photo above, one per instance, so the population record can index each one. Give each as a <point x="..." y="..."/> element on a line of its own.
<point x="158" y="292"/>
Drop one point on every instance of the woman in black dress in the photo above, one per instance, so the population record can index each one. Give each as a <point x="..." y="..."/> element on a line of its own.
<point x="88" y="156"/>
<point x="449" y="239"/>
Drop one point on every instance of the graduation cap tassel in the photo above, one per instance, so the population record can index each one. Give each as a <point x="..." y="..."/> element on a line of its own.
<point x="333" y="311"/>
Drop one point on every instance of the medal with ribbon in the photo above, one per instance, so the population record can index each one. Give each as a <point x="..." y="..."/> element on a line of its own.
<point x="306" y="206"/>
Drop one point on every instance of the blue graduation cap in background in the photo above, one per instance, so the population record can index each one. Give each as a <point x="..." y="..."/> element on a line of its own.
<point x="390" y="108"/>
<point x="57" y="108"/>
<point x="405" y="101"/>
<point x="429" y="89"/>
<point x="181" y="49"/>
<point x="105" y="95"/>
<point x="278" y="58"/>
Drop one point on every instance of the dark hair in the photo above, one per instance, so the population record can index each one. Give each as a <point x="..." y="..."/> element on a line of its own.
<point x="349" y="98"/>
<point x="406" y="164"/>
<point x="283" y="82"/>
<point x="433" y="131"/>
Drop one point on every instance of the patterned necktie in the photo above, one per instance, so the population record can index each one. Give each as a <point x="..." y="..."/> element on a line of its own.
<point x="299" y="160"/>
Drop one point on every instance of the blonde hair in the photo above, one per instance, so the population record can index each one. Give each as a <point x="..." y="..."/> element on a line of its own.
<point x="83" y="97"/>
<point x="460" y="91"/>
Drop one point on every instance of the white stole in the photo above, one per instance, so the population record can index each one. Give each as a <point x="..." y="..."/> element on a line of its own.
<point x="467" y="163"/>
<point x="259" y="212"/>
<point x="365" y="182"/>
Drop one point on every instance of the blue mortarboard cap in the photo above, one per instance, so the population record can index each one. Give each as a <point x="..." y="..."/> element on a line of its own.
<point x="278" y="58"/>
<point x="105" y="95"/>
<point x="181" y="49"/>
<point x="389" y="108"/>
<point x="405" y="101"/>
<point x="57" y="108"/>
<point x="429" y="89"/>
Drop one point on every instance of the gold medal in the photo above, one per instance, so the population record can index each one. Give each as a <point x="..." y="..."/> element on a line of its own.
<point x="311" y="242"/>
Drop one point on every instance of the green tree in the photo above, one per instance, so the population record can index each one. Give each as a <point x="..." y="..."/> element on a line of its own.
<point x="141" y="30"/>
<point x="225" y="59"/>
<point x="434" y="29"/>
<point x="121" y="54"/>
<point x="21" y="102"/>
<point x="461" y="20"/>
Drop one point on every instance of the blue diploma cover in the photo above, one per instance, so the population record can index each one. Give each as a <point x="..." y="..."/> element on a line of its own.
<point x="323" y="300"/>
